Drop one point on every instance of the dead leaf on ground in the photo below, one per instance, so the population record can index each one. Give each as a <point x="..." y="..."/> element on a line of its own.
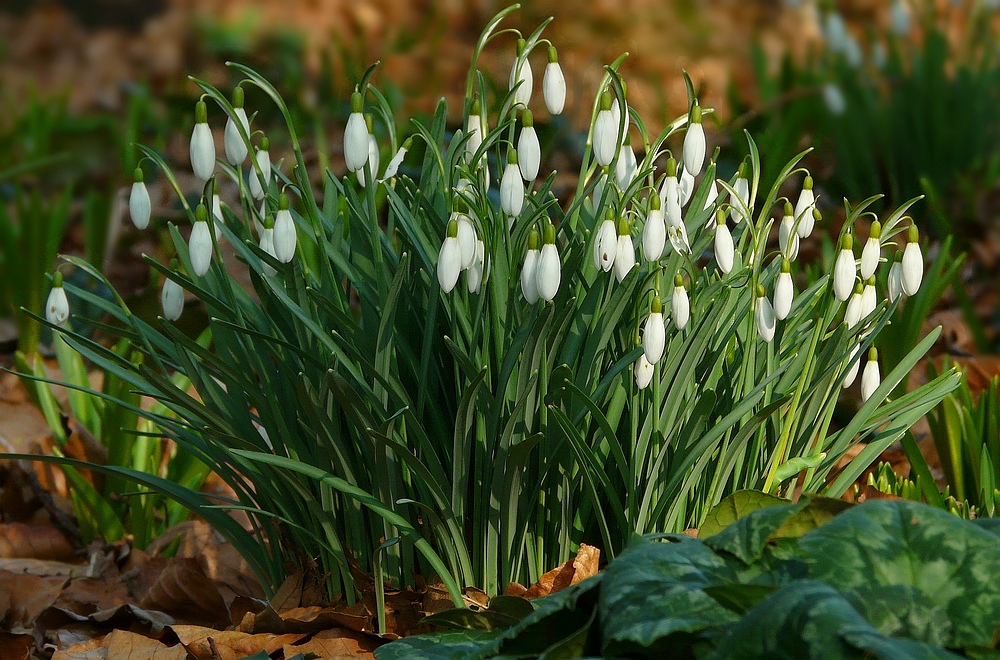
<point x="24" y="597"/>
<point x="122" y="645"/>
<point x="336" y="644"/>
<point x="208" y="644"/>
<point x="183" y="590"/>
<point x="16" y="646"/>
<point x="583" y="566"/>
<point x="18" y="540"/>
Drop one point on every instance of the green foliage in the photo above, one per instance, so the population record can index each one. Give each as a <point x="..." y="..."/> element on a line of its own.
<point x="881" y="579"/>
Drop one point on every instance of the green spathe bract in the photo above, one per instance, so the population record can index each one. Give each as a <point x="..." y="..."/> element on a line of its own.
<point x="490" y="436"/>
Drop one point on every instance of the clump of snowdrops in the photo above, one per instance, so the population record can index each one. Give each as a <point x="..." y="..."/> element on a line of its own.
<point x="444" y="369"/>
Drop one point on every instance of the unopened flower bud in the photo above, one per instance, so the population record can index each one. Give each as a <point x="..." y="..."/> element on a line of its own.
<point x="654" y="332"/>
<point x="57" y="305"/>
<point x="605" y="139"/>
<point x="529" y="152"/>
<point x="549" y="271"/>
<point x="869" y="298"/>
<point x="740" y="201"/>
<point x="872" y="251"/>
<point x="264" y="163"/>
<point x="913" y="262"/>
<point x="356" y="135"/>
<point x="643" y="372"/>
<point x="172" y="297"/>
<point x="784" y="291"/>
<point x="845" y="269"/>
<point x="554" y="84"/>
<point x="200" y="242"/>
<point x="606" y="243"/>
<point x="466" y="238"/>
<point x="654" y="232"/>
<point x="450" y="258"/>
<point x="202" y="145"/>
<point x="680" y="306"/>
<point x="139" y="206"/>
<point x="236" y="148"/>
<point x="895" y="281"/>
<point x="511" y="187"/>
<point x="626" y="167"/>
<point x="725" y="252"/>
<point x="373" y="154"/>
<point x="870" y="378"/>
<point x="625" y="253"/>
<point x="528" y="283"/>
<point x="804" y="208"/>
<point x="285" y="237"/>
<point x="764" y="315"/>
<point x="788" y="238"/>
<point x="855" y="307"/>
<point x="520" y="75"/>
<point x="694" y="142"/>
<point x="474" y="274"/>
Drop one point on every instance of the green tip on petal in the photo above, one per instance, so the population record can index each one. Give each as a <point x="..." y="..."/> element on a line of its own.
<point x="871" y="281"/>
<point x="741" y="171"/>
<point x="268" y="222"/>
<point x="550" y="234"/>
<point x="265" y="144"/>
<point x="553" y="55"/>
<point x="606" y="100"/>
<point x="817" y="216"/>
<point x="624" y="227"/>
<point x="138" y="175"/>
<point x="678" y="280"/>
<point x="696" y="113"/>
<point x="527" y="119"/>
<point x="720" y="217"/>
<point x="847" y="242"/>
<point x="913" y="235"/>
<point x="282" y="202"/>
<point x="201" y="214"/>
<point x="215" y="187"/>
<point x="512" y="156"/>
<point x="533" y="239"/>
<point x="357" y="102"/>
<point x="57" y="279"/>
<point x="452" y="229"/>
<point x="238" y="97"/>
<point x="200" y="113"/>
<point x="408" y="142"/>
<point x="521" y="45"/>
<point x="671" y="166"/>
<point x="760" y="291"/>
<point x="476" y="108"/>
<point x="786" y="266"/>
<point x="876" y="231"/>
<point x="656" y="307"/>
<point x="808" y="183"/>
<point x="873" y="354"/>
<point x="788" y="208"/>
<point x="654" y="202"/>
<point x="174" y="265"/>
<point x="609" y="214"/>
<point x="859" y="288"/>
<point x="899" y="256"/>
<point x="370" y="123"/>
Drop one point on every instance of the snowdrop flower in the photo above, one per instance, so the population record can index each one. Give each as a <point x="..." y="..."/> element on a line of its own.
<point x="266" y="244"/>
<point x="529" y="285"/>
<point x="900" y="19"/>
<point x="685" y="187"/>
<point x="654" y="232"/>
<point x="605" y="138"/>
<point x="356" y="135"/>
<point x="450" y="260"/>
<point x="872" y="251"/>
<point x="202" y="145"/>
<point x="913" y="262"/>
<point x="217" y="219"/>
<point x="694" y="142"/>
<point x="511" y="187"/>
<point x="529" y="154"/>
<point x="284" y="235"/>
<point x="520" y="72"/>
<point x="788" y="239"/>
<point x="627" y="165"/>
<point x="680" y="306"/>
<point x="764" y="315"/>
<point x="895" y="283"/>
<point x="57" y="306"/>
<point x="834" y="99"/>
<point x="139" y="206"/>
<point x="475" y="128"/>
<point x="784" y="291"/>
<point x="852" y="52"/>
<point x="606" y="243"/>
<point x="264" y="163"/>
<point x="625" y="254"/>
<point x="466" y="238"/>
<point x="677" y="234"/>
<point x="616" y="112"/>
<point x="643" y="371"/>
<point x="172" y="297"/>
<point x="804" y="208"/>
<point x="870" y="378"/>
<point x="670" y="190"/>
<point x="653" y="332"/>
<point x="739" y="201"/>
<point x="869" y="298"/>
<point x="854" y="314"/>
<point x="236" y="148"/>
<point x="474" y="274"/>
<point x="852" y="373"/>
<point x="845" y="269"/>
<point x="725" y="252"/>
<point x="372" y="162"/>
<point x="834" y="31"/>
<point x="548" y="273"/>
<point x="554" y="84"/>
<point x="397" y="160"/>
<point x="200" y="243"/>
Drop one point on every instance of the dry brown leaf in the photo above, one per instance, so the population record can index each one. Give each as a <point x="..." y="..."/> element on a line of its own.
<point x="84" y="596"/>
<point x="122" y="645"/>
<point x="27" y="541"/>
<point x="289" y="594"/>
<point x="43" y="567"/>
<point x="336" y="644"/>
<point x="212" y="644"/>
<point x="515" y="589"/>
<point x="16" y="646"/>
<point x="26" y="596"/>
<point x="979" y="370"/>
<point x="183" y="590"/>
<point x="585" y="563"/>
<point x="92" y="649"/>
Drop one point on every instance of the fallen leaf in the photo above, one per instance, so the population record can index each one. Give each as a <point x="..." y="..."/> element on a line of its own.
<point x="27" y="541"/>
<point x="212" y="644"/>
<point x="585" y="563"/>
<point x="184" y="591"/>
<point x="289" y="594"/>
<point x="43" y="567"/>
<point x="336" y="644"/>
<point x="515" y="589"/>
<point x="16" y="646"/>
<point x="122" y="645"/>
<point x="27" y="596"/>
<point x="85" y="596"/>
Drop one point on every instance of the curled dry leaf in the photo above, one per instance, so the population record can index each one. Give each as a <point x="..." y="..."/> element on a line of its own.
<point x="24" y="597"/>
<point x="124" y="645"/>
<point x="573" y="571"/>
<point x="336" y="644"/>
<point x="27" y="541"/>
<point x="209" y="644"/>
<point x="183" y="590"/>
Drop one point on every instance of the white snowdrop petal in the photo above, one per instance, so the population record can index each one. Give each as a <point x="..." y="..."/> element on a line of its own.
<point x="803" y="212"/>
<point x="356" y="142"/>
<point x="624" y="257"/>
<point x="449" y="263"/>
<point x="139" y="206"/>
<point x="511" y="190"/>
<point x="680" y="307"/>
<point x="740" y="200"/>
<point x="529" y="153"/>
<point x="264" y="163"/>
<point x="784" y="292"/>
<point x="694" y="148"/>
<point x="466" y="239"/>
<point x="725" y="252"/>
<point x="528" y="273"/>
<point x="554" y="88"/>
<point x="605" y="134"/>
<point x="643" y="371"/>
<point x="284" y="237"/>
<point x="236" y="148"/>
<point x="654" y="236"/>
<point x="626" y="167"/>
<point x="653" y="337"/>
<point x="394" y="163"/>
<point x="852" y="373"/>
<point x="844" y="273"/>
<point x="606" y="246"/>
<point x="913" y="268"/>
<point x="869" y="300"/>
<point x="171" y="300"/>
<point x="764" y="316"/>
<point x="869" y="257"/>
<point x="200" y="248"/>
<point x="685" y="187"/>
<point x="57" y="306"/>
<point x="895" y="282"/>
<point x="202" y="152"/>
<point x="549" y="272"/>
<point x="853" y="315"/>
<point x="870" y="379"/>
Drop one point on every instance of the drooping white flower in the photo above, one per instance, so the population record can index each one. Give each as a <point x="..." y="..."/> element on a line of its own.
<point x="739" y="201"/>
<point x="725" y="252"/>
<point x="172" y="297"/>
<point x="784" y="291"/>
<point x="236" y="148"/>
<point x="217" y="219"/>
<point x="788" y="238"/>
<point x="626" y="167"/>
<point x="625" y="252"/>
<point x="605" y="137"/>
<point x="895" y="281"/>
<point x="466" y="238"/>
<point x="263" y="159"/>
<point x="804" y="208"/>
<point x="284" y="237"/>
<point x="654" y="332"/>
<point x="356" y="135"/>
<point x="373" y="155"/>
<point x="397" y="159"/>
<point x="680" y="306"/>
<point x="520" y="75"/>
<point x="913" y="262"/>
<point x="511" y="187"/>
<point x="670" y="188"/>
<point x="872" y="251"/>
<point x="529" y="153"/>
<point x="694" y="142"/>
<point x="549" y="271"/>
<point x="764" y="316"/>
<point x="869" y="298"/>
<point x="834" y="99"/>
<point x="554" y="84"/>
<point x="853" y="314"/>
<point x="845" y="269"/>
<point x="852" y="372"/>
<point x="57" y="305"/>
<point x="202" y="145"/>
<point x="529" y="286"/>
<point x="450" y="260"/>
<point x="617" y="113"/>
<point x="474" y="274"/>
<point x="654" y="232"/>
<point x="834" y="31"/>
<point x="643" y="372"/>
<point x="900" y="18"/>
<point x="267" y="245"/>
<point x="475" y="128"/>
<point x="139" y="206"/>
<point x="685" y="187"/>
<point x="200" y="243"/>
<point x="713" y="194"/>
<point x="677" y="234"/>
<point x="606" y="243"/>
<point x="870" y="378"/>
